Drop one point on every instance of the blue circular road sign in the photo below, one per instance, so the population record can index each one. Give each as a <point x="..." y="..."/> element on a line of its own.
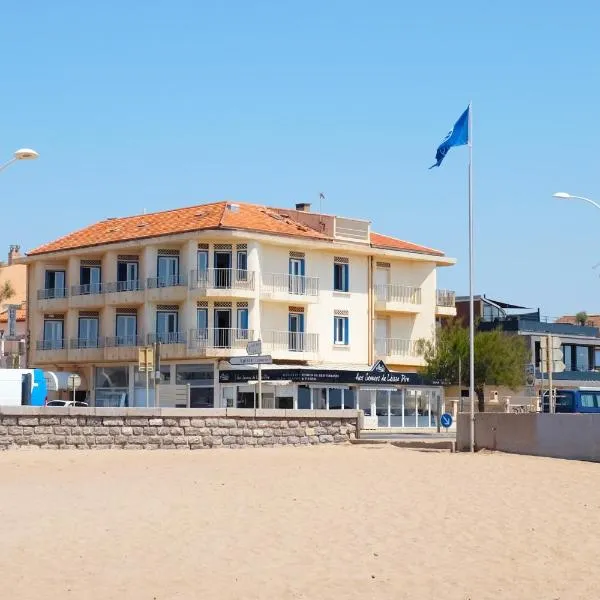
<point x="446" y="420"/>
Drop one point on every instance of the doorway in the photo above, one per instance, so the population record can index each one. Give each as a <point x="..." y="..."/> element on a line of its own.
<point x="222" y="328"/>
<point x="222" y="269"/>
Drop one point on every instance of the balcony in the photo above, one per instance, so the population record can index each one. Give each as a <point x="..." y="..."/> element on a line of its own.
<point x="223" y="283"/>
<point x="291" y="345"/>
<point x="397" y="298"/>
<point x="87" y="295"/>
<point x="445" y="304"/>
<point x="167" y="288"/>
<point x="50" y="351"/>
<point x="398" y="351"/>
<point x="173" y="343"/>
<point x="219" y="342"/>
<point x="124" y="292"/>
<point x="86" y="349"/>
<point x="122" y="347"/>
<point x="290" y="288"/>
<point x="53" y="299"/>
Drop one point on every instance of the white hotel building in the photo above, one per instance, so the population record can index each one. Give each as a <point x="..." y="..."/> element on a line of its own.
<point x="328" y="298"/>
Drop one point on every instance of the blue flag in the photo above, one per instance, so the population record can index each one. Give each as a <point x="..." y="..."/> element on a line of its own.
<point x="458" y="136"/>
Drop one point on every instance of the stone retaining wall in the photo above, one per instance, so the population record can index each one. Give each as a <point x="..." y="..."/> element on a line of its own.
<point x="58" y="428"/>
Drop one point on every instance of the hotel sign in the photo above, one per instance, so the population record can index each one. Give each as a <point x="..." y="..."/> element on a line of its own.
<point x="378" y="374"/>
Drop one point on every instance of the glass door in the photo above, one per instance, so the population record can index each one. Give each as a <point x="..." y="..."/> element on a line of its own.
<point x="53" y="334"/>
<point x="410" y="408"/>
<point x="222" y="269"/>
<point x="296" y="332"/>
<point x="202" y="268"/>
<point x="166" y="327"/>
<point x="126" y="330"/>
<point x="222" y="328"/>
<point x="202" y="326"/>
<point x="296" y="272"/>
<point x="88" y="332"/>
<point x="382" y="407"/>
<point x="168" y="271"/>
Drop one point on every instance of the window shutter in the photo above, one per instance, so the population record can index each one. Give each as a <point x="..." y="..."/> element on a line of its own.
<point x="346" y="331"/>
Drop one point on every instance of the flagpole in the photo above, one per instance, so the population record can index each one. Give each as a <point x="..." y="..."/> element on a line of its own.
<point x="471" y="307"/>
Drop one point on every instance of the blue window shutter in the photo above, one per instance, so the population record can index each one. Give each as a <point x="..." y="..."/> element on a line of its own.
<point x="334" y="329"/>
<point x="347" y="270"/>
<point x="244" y="318"/>
<point x="301" y="319"/>
<point x="290" y="322"/>
<point x="346" y="331"/>
<point x="290" y="267"/>
<point x="302" y="267"/>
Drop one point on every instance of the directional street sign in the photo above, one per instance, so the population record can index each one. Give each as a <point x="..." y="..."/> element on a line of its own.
<point x="146" y="359"/>
<point x="265" y="359"/>
<point x="254" y="347"/>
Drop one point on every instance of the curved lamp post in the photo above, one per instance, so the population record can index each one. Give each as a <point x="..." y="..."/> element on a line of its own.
<point x="565" y="196"/>
<point x="22" y="154"/>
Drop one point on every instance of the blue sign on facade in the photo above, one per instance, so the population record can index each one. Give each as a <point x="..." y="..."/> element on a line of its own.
<point x="446" y="420"/>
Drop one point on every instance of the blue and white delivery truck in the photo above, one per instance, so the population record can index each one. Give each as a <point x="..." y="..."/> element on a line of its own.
<point x="23" y="387"/>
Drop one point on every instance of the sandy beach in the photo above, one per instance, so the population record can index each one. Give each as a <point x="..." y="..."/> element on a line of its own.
<point x="314" y="523"/>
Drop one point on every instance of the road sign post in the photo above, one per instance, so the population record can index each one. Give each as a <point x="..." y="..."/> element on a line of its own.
<point x="145" y="365"/>
<point x="74" y="383"/>
<point x="446" y="420"/>
<point x="259" y="360"/>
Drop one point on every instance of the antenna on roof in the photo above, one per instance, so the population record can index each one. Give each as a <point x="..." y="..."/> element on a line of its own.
<point x="321" y="198"/>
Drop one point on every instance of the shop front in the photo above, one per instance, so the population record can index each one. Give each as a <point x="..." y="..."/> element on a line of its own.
<point x="388" y="399"/>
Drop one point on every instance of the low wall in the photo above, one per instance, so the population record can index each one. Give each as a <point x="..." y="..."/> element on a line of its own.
<point x="571" y="436"/>
<point x="52" y="427"/>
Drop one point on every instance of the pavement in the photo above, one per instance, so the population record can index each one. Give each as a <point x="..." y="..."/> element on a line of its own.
<point x="403" y="439"/>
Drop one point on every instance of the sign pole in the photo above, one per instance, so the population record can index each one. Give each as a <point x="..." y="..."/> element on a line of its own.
<point x="550" y="365"/>
<point x="259" y="385"/>
<point x="147" y="391"/>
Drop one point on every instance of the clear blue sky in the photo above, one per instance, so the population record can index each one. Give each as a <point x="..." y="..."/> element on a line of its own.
<point x="160" y="104"/>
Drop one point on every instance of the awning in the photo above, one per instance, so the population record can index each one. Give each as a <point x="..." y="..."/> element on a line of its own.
<point x="58" y="381"/>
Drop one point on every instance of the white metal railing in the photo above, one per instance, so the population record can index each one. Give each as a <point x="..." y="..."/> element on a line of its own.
<point x="124" y="340"/>
<point x="168" y="337"/>
<point x="395" y="347"/>
<point x="132" y="285"/>
<point x="217" y="338"/>
<point x="296" y="285"/>
<point x="446" y="298"/>
<point x="86" y="289"/>
<point x="292" y="341"/>
<point x="166" y="281"/>
<point x="395" y="292"/>
<point x="52" y="344"/>
<point x="225" y="279"/>
<point x="52" y="293"/>
<point x="80" y="343"/>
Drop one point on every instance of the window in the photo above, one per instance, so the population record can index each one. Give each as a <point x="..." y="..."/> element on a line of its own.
<point x="127" y="276"/>
<point x="88" y="332"/>
<point x="201" y="379"/>
<point x="55" y="284"/>
<point x="242" y="323"/>
<point x="53" y="334"/>
<point x="202" y="322"/>
<point x="296" y="273"/>
<point x="568" y="356"/>
<point x="242" y="265"/>
<point x="90" y="278"/>
<point x="167" y="271"/>
<point x="340" y="330"/>
<point x="588" y="400"/>
<point x="112" y="386"/>
<point x="126" y="330"/>
<point x="582" y="357"/>
<point x="166" y="326"/>
<point x="340" y="277"/>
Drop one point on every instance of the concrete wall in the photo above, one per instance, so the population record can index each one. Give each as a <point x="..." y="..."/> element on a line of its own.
<point x="572" y="436"/>
<point x="58" y="428"/>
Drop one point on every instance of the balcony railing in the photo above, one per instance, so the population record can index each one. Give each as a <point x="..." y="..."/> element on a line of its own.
<point x="395" y="347"/>
<point x="124" y="340"/>
<point x="395" y="292"/>
<point x="50" y="345"/>
<point x="168" y="337"/>
<point x="296" y="285"/>
<point x="123" y="286"/>
<point x="205" y="339"/>
<point x="292" y="341"/>
<point x="446" y="298"/>
<point x="52" y="293"/>
<point x="86" y="289"/>
<point x="81" y="343"/>
<point x="166" y="281"/>
<point x="222" y="279"/>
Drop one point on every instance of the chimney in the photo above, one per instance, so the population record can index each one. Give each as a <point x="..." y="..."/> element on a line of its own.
<point x="13" y="252"/>
<point x="303" y="207"/>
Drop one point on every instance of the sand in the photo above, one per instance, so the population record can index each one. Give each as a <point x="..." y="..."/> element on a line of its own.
<point x="315" y="523"/>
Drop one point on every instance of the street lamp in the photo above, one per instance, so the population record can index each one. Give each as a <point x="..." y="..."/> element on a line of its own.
<point x="565" y="196"/>
<point x="22" y="154"/>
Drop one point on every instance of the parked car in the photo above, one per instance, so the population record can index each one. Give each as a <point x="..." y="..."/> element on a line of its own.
<point x="66" y="403"/>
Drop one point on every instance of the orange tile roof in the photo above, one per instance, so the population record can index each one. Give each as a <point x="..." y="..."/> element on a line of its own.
<point x="218" y="215"/>
<point x="384" y="241"/>
<point x="21" y="315"/>
<point x="248" y="217"/>
<point x="592" y="320"/>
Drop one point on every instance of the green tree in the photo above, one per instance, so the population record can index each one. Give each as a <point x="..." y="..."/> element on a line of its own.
<point x="500" y="358"/>
<point x="7" y="291"/>
<point x="581" y="318"/>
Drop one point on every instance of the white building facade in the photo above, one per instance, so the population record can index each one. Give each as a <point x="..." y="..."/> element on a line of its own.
<point x="328" y="299"/>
